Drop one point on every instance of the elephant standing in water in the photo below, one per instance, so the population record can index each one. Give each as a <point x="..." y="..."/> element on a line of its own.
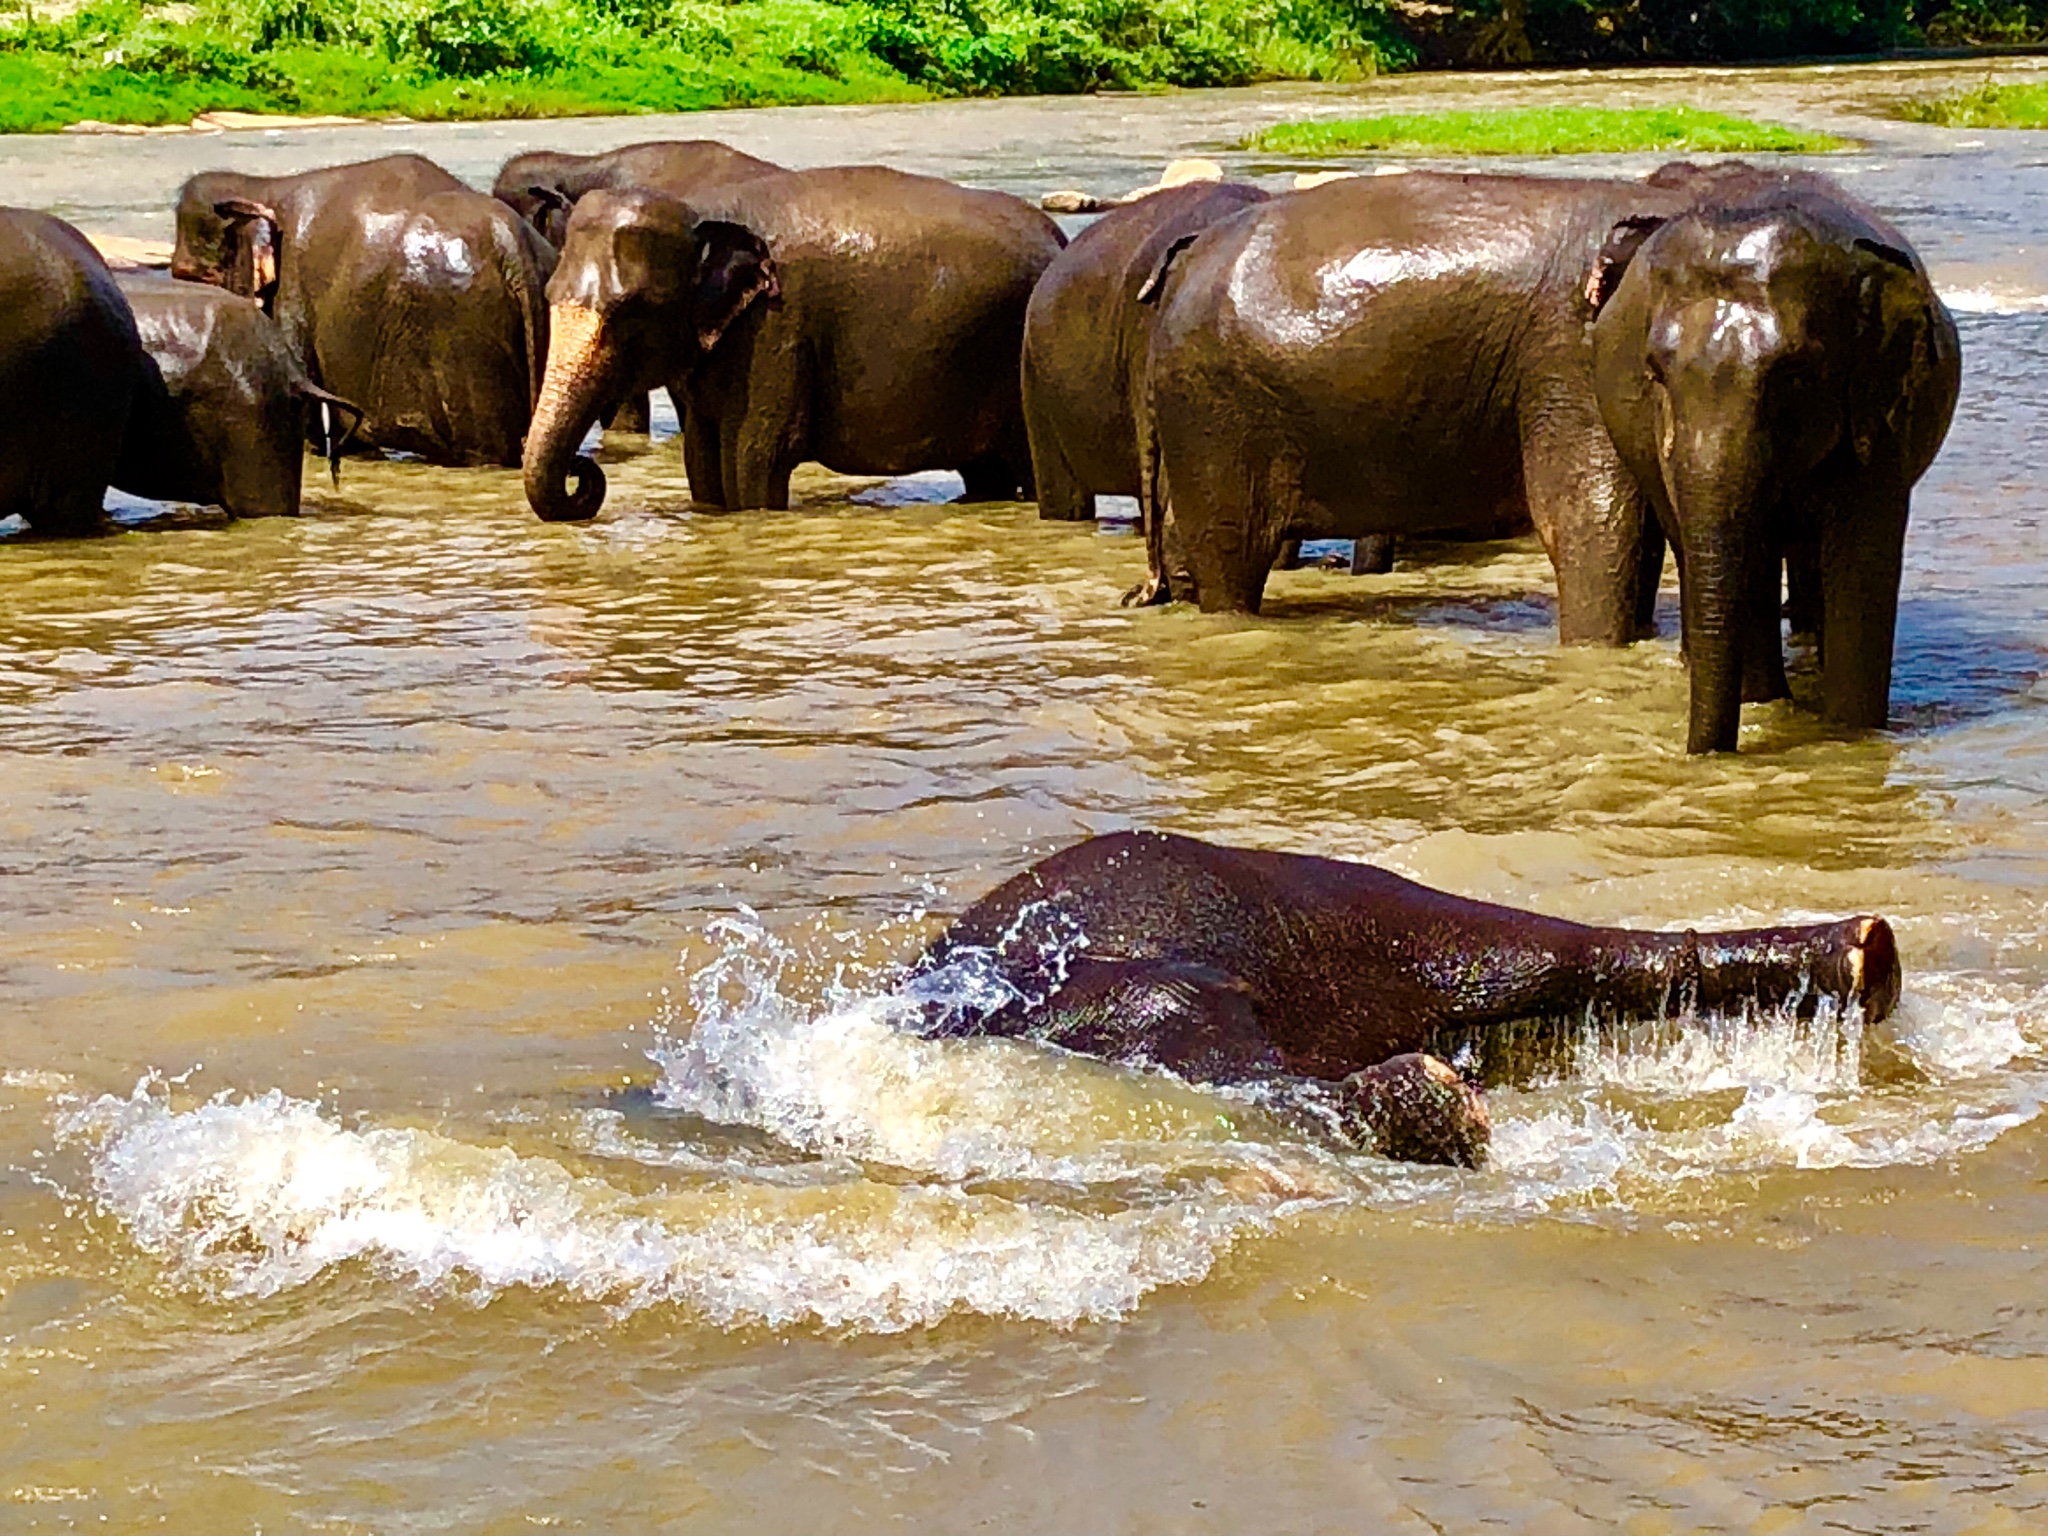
<point x="69" y="361"/>
<point x="865" y="318"/>
<point x="542" y="186"/>
<point x="1227" y="965"/>
<point x="1778" y="373"/>
<point x="1085" y="339"/>
<point x="397" y="286"/>
<point x="223" y="410"/>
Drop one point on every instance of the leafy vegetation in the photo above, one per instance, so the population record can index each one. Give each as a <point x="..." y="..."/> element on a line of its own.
<point x="126" y="61"/>
<point x="150" y="61"/>
<point x="1988" y="106"/>
<point x="1540" y="131"/>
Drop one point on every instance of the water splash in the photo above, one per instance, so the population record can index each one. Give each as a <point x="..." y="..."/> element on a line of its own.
<point x="892" y="1180"/>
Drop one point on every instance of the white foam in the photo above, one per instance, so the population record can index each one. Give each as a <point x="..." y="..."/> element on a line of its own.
<point x="900" y="1179"/>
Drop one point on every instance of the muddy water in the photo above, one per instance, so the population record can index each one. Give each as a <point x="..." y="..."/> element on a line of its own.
<point x="447" y="1079"/>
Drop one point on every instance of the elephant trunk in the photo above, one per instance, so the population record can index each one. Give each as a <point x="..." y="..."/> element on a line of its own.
<point x="1714" y="477"/>
<point x="1852" y="962"/>
<point x="571" y="393"/>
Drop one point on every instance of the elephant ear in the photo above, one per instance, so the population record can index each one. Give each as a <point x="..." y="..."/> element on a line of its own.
<point x="252" y="243"/>
<point x="1616" y="252"/>
<point x="1897" y="313"/>
<point x="733" y="270"/>
<point x="1156" y="284"/>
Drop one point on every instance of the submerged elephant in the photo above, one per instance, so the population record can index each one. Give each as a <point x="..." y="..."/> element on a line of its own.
<point x="861" y="317"/>
<point x="69" y="359"/>
<point x="1228" y="965"/>
<point x="223" y="410"/>
<point x="1778" y="373"/>
<point x="1085" y="339"/>
<point x="542" y="186"/>
<point x="396" y="286"/>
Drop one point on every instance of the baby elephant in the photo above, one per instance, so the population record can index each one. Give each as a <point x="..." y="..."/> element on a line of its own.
<point x="223" y="410"/>
<point x="1227" y="965"/>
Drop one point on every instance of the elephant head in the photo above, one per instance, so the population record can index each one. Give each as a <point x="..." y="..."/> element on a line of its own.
<point x="1761" y="363"/>
<point x="643" y="292"/>
<point x="226" y="239"/>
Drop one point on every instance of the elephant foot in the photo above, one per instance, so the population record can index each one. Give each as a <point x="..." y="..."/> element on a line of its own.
<point x="1417" y="1109"/>
<point x="1149" y="593"/>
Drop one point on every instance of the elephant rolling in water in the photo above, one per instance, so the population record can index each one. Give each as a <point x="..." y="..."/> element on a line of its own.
<point x="861" y="317"/>
<point x="396" y="286"/>
<point x="69" y="363"/>
<point x="223" y="410"/>
<point x="1777" y="372"/>
<point x="1229" y="965"/>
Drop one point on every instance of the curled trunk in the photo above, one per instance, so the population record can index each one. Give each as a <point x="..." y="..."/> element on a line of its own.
<point x="571" y="397"/>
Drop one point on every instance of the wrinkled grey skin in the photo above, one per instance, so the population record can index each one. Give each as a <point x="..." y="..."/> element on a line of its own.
<point x="882" y="335"/>
<point x="68" y="362"/>
<point x="543" y="186"/>
<point x="1394" y="355"/>
<point x="1777" y="372"/>
<point x="396" y="286"/>
<point x="1231" y="965"/>
<point x="223" y="410"/>
<point x="1085" y="340"/>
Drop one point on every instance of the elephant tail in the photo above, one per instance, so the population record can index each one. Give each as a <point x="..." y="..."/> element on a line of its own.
<point x="331" y="446"/>
<point x="1153" y="500"/>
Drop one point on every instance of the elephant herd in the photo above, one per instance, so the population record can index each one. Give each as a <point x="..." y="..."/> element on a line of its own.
<point x="1744" y="365"/>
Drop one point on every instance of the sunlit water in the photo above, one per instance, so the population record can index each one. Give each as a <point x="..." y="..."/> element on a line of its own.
<point x="451" y="1074"/>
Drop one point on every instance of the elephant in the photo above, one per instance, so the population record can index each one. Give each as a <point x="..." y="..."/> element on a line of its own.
<point x="396" y="286"/>
<point x="862" y="317"/>
<point x="1232" y="965"/>
<point x="542" y="186"/>
<point x="1402" y="355"/>
<point x="69" y="360"/>
<point x="223" y="410"/>
<point x="1777" y="373"/>
<point x="1085" y="340"/>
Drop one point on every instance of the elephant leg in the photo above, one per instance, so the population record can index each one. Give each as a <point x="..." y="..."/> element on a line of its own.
<point x="1289" y="558"/>
<point x="1649" y="576"/>
<point x="1861" y="556"/>
<point x="1763" y="653"/>
<point x="760" y="446"/>
<point x="1057" y="487"/>
<point x="990" y="478"/>
<point x="633" y="414"/>
<point x="1591" y="518"/>
<point x="701" y="461"/>
<point x="1802" y="588"/>
<point x="1372" y="555"/>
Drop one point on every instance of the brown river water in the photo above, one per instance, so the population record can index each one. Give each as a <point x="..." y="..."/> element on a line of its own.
<point x="447" y="1081"/>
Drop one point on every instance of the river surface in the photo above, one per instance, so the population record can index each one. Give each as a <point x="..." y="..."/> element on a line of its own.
<point x="447" y="1075"/>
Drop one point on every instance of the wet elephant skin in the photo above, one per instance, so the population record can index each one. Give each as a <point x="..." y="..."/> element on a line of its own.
<point x="542" y="186"/>
<point x="1085" y="340"/>
<point x="1777" y="372"/>
<point x="1402" y="354"/>
<point x="68" y="363"/>
<point x="882" y="337"/>
<point x="1228" y="963"/>
<point x="224" y="410"/>
<point x="397" y="286"/>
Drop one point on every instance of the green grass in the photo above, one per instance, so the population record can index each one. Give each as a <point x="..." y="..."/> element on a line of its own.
<point x="1541" y="131"/>
<point x="1988" y="106"/>
<point x="145" y="62"/>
